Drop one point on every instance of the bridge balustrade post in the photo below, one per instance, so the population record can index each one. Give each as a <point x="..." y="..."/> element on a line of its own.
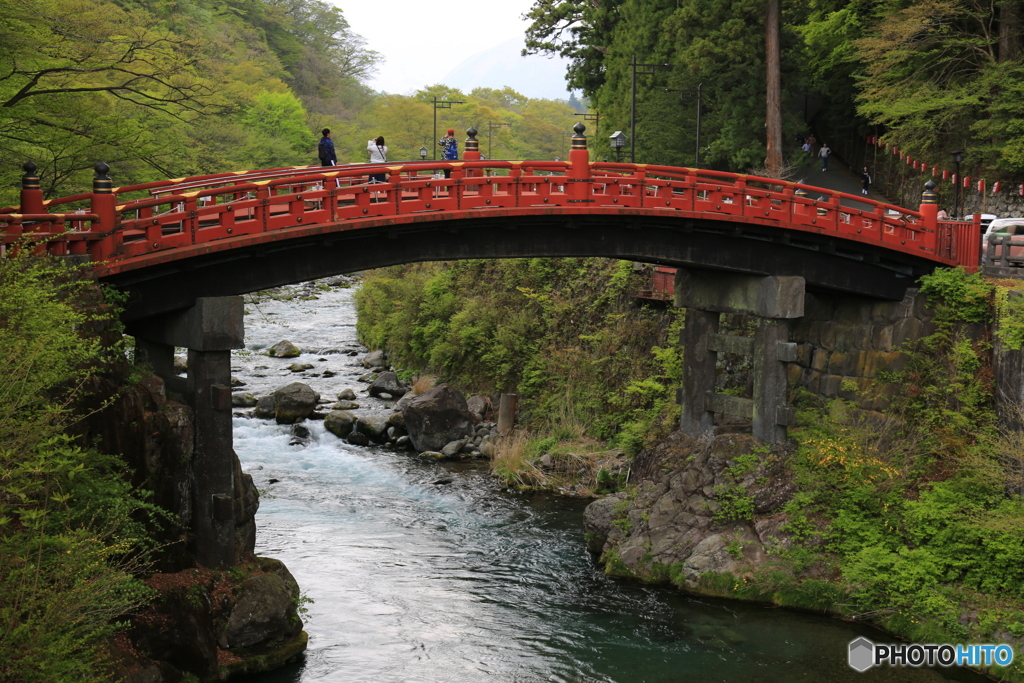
<point x="262" y="211"/>
<point x="472" y="152"/>
<point x="31" y="193"/>
<point x="799" y="208"/>
<point x="456" y="188"/>
<point x="578" y="175"/>
<point x="103" y="203"/>
<point x="929" y="209"/>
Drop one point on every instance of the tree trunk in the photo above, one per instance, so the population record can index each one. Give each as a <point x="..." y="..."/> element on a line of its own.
<point x="773" y="117"/>
<point x="1009" y="30"/>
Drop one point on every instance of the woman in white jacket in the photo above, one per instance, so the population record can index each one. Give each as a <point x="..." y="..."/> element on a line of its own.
<point x="378" y="155"/>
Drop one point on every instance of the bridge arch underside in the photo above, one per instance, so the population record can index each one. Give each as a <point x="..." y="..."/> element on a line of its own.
<point x="235" y="266"/>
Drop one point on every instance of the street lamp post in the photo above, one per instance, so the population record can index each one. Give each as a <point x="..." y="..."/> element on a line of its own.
<point x="617" y="141"/>
<point x="958" y="156"/>
<point x="491" y="125"/>
<point x="441" y="104"/>
<point x="423" y="153"/>
<point x="693" y="93"/>
<point x="632" y="103"/>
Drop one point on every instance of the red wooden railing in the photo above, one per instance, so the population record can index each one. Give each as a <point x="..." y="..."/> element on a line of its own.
<point x="123" y="228"/>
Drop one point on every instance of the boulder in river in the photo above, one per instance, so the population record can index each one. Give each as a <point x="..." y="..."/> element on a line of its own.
<point x="346" y="395"/>
<point x="244" y="399"/>
<point x="300" y="367"/>
<point x="345" y="405"/>
<point x="373" y="427"/>
<point x="294" y="403"/>
<point x="437" y="417"/>
<point x="387" y="383"/>
<point x="264" y="609"/>
<point x="284" y="349"/>
<point x="339" y="423"/>
<point x="375" y="359"/>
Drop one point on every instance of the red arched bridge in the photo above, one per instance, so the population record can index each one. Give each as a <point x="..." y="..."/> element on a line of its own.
<point x="182" y="248"/>
<point x="173" y="241"/>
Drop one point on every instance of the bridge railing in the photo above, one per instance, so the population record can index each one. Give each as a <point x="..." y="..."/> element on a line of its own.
<point x="216" y="211"/>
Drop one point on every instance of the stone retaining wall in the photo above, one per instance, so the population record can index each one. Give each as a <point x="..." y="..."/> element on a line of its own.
<point x="844" y="343"/>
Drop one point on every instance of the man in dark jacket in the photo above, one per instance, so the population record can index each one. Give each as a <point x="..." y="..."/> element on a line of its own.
<point x="326" y="149"/>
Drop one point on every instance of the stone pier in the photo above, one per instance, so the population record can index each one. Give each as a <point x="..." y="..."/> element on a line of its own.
<point x="774" y="300"/>
<point x="209" y="330"/>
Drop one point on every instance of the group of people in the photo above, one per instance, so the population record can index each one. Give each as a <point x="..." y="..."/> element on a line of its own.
<point x="378" y="152"/>
<point x="809" y="146"/>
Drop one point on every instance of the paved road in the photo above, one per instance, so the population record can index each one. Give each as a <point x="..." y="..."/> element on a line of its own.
<point x="838" y="177"/>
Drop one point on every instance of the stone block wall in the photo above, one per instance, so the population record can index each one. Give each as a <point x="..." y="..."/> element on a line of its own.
<point x="844" y="342"/>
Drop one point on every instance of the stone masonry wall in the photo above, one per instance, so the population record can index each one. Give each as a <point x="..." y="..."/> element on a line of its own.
<point x="844" y="342"/>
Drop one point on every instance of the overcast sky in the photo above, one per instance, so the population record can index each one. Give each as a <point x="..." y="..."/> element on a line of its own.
<point x="422" y="41"/>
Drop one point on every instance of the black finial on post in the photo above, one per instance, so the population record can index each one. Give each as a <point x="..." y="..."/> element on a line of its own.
<point x="929" y="196"/>
<point x="29" y="181"/>
<point x="102" y="184"/>
<point x="472" y="146"/>
<point x="579" y="141"/>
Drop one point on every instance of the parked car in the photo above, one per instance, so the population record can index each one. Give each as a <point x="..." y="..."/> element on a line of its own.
<point x="986" y="219"/>
<point x="1002" y="226"/>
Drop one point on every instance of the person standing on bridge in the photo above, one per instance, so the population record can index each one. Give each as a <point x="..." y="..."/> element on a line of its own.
<point x="449" y="150"/>
<point x="378" y="155"/>
<point x="326" y="149"/>
<point x="824" y="154"/>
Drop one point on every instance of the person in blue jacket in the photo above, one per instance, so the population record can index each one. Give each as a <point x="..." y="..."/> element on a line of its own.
<point x="326" y="149"/>
<point x="449" y="150"/>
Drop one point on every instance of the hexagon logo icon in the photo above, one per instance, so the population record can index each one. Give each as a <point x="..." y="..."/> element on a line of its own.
<point x="862" y="654"/>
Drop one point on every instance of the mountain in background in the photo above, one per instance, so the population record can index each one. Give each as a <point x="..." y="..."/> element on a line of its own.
<point x="534" y="76"/>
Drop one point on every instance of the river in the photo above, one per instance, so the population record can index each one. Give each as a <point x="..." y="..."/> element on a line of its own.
<point x="427" y="572"/>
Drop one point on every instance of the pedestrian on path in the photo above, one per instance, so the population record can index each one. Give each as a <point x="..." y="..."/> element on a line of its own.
<point x="824" y="154"/>
<point x="865" y="181"/>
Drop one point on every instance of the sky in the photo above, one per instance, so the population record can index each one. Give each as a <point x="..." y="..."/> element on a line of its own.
<point x="424" y="41"/>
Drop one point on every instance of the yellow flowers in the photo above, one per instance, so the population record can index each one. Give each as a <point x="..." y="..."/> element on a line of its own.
<point x="845" y="458"/>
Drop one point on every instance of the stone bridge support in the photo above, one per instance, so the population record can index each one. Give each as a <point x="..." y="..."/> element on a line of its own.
<point x="209" y="330"/>
<point x="706" y="295"/>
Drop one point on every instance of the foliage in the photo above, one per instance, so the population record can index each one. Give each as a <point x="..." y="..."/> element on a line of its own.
<point x="958" y="296"/>
<point x="929" y="76"/>
<point x="1010" y="317"/>
<point x="562" y="333"/>
<point x="49" y="351"/>
<point x="71" y="528"/>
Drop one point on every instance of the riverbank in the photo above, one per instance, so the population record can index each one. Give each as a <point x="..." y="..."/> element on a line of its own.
<point x="907" y="518"/>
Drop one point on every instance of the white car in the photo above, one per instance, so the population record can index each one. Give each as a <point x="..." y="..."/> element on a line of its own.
<point x="1002" y="226"/>
<point x="986" y="218"/>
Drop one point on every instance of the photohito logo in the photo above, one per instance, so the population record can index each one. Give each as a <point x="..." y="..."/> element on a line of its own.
<point x="864" y="654"/>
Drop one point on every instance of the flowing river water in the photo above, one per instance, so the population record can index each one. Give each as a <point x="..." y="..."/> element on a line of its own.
<point x="428" y="572"/>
